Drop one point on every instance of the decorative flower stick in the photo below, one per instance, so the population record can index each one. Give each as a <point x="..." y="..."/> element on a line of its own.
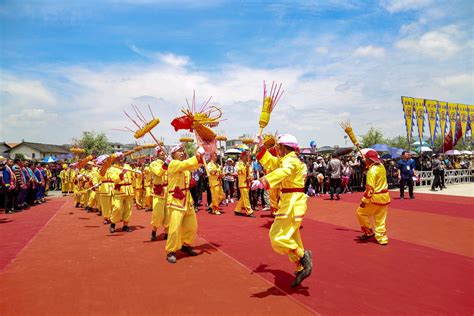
<point x="269" y="102"/>
<point x="346" y="126"/>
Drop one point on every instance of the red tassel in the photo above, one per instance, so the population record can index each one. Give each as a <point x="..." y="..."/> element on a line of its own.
<point x="182" y="122"/>
<point x="178" y="194"/>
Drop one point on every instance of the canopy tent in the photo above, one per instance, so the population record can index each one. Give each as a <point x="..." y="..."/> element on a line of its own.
<point x="418" y="143"/>
<point x="424" y="149"/>
<point x="50" y="159"/>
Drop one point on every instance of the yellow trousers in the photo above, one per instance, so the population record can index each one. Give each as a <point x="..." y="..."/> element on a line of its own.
<point x="217" y="196"/>
<point x="379" y="213"/>
<point x="70" y="187"/>
<point x="158" y="215"/>
<point x="105" y="202"/>
<point x="244" y="202"/>
<point x="182" y="229"/>
<point x="139" y="194"/>
<point x="148" y="202"/>
<point x="91" y="199"/>
<point x="274" y="197"/>
<point x="121" y="208"/>
<point x="286" y="239"/>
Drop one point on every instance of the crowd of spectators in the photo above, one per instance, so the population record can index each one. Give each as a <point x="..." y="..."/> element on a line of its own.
<point x="25" y="183"/>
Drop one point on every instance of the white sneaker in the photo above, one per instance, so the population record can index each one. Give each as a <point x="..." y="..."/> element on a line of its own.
<point x="231" y="200"/>
<point x="226" y="201"/>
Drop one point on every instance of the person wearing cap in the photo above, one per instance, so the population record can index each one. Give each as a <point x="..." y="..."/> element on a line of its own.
<point x="244" y="177"/>
<point x="215" y="184"/>
<point x="289" y="173"/>
<point x="375" y="200"/>
<point x="122" y="201"/>
<point x="182" y="218"/>
<point x="159" y="193"/>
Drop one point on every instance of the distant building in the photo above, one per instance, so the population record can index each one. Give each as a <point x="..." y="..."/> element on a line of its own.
<point x="231" y="143"/>
<point x="114" y="147"/>
<point x="4" y="147"/>
<point x="36" y="150"/>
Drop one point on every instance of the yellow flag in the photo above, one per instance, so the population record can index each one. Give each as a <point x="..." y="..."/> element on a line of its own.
<point x="462" y="109"/>
<point x="443" y="116"/>
<point x="432" y="110"/>
<point x="420" y="115"/>
<point x="453" y="113"/>
<point x="408" y="110"/>
<point x="471" y="120"/>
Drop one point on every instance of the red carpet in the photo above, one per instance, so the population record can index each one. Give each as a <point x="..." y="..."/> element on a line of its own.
<point x="19" y="228"/>
<point x="75" y="267"/>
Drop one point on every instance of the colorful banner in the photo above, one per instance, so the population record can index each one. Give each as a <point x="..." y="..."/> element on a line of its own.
<point x="408" y="110"/>
<point x="463" y="114"/>
<point x="471" y="121"/>
<point x="453" y="111"/>
<point x="419" y="105"/>
<point x="443" y="116"/>
<point x="432" y="109"/>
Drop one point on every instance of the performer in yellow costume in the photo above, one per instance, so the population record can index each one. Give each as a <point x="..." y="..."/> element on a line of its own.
<point x="289" y="173"/>
<point x="147" y="183"/>
<point x="123" y="194"/>
<point x="64" y="176"/>
<point x="244" y="177"/>
<point x="105" y="192"/>
<point x="375" y="201"/>
<point x="183" y="223"/>
<point x="139" y="190"/>
<point x="93" y="175"/>
<point x="159" y="193"/>
<point x="215" y="184"/>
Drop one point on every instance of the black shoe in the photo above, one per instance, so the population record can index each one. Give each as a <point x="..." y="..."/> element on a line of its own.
<point x="412" y="197"/>
<point x="127" y="229"/>
<point x="238" y="214"/>
<point x="189" y="251"/>
<point x="338" y="197"/>
<point x="112" y="228"/>
<point x="153" y="236"/>
<point x="365" y="237"/>
<point x="171" y="257"/>
<point x="165" y="237"/>
<point x="331" y="198"/>
<point x="307" y="263"/>
<point x="78" y="204"/>
<point x="434" y="190"/>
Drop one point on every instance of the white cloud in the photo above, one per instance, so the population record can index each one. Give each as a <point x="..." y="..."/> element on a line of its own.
<point x="437" y="44"/>
<point x="457" y="80"/>
<point x="370" y="51"/>
<point x="395" y="6"/>
<point x="165" y="58"/>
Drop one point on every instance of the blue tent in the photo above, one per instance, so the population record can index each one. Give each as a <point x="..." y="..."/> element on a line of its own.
<point x="50" y="159"/>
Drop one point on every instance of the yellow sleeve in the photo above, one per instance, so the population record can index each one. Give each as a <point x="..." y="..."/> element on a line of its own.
<point x="115" y="175"/>
<point x="180" y="166"/>
<point x="369" y="186"/>
<point x="213" y="170"/>
<point x="278" y="175"/>
<point x="157" y="168"/>
<point x="267" y="160"/>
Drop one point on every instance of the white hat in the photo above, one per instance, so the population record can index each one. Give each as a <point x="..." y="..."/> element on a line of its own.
<point x="176" y="147"/>
<point x="319" y="158"/>
<point x="157" y="150"/>
<point x="287" y="140"/>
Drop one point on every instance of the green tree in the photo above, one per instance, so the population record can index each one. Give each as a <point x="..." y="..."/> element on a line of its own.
<point x="372" y="137"/>
<point x="92" y="143"/>
<point x="398" y="141"/>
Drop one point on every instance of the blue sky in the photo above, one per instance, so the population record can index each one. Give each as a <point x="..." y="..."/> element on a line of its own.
<point x="73" y="66"/>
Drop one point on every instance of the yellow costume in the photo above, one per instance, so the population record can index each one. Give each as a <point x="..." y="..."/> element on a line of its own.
<point x="244" y="176"/>
<point x="215" y="185"/>
<point x="105" y="192"/>
<point x="159" y="193"/>
<point x="139" y="191"/>
<point x="183" y="223"/>
<point x="147" y="183"/>
<point x="289" y="173"/>
<point x="122" y="197"/>
<point x="93" y="180"/>
<point x="64" y="176"/>
<point x="49" y="176"/>
<point x="376" y="199"/>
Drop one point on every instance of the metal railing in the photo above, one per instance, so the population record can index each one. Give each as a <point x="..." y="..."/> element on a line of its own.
<point x="453" y="176"/>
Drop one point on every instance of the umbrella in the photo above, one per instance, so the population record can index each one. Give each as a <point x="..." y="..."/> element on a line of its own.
<point x="50" y="159"/>
<point x="452" y="152"/>
<point x="466" y="152"/>
<point x="325" y="149"/>
<point x="424" y="149"/>
<point x="380" y="147"/>
<point x="386" y="156"/>
<point x="2" y="158"/>
<point x="344" y="151"/>
<point x="395" y="152"/>
<point x="418" y="144"/>
<point x="232" y="151"/>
